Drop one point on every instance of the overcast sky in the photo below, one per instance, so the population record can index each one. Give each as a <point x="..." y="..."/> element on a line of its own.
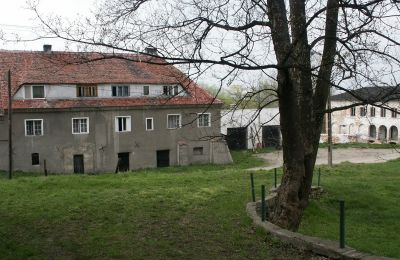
<point x="15" y="18"/>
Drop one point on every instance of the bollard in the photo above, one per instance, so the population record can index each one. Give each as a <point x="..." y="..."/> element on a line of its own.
<point x="319" y="177"/>
<point x="253" y="193"/>
<point x="342" y="224"/>
<point x="262" y="203"/>
<point x="275" y="178"/>
<point x="45" y="168"/>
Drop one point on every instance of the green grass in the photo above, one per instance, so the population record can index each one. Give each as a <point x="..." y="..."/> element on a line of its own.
<point x="361" y="145"/>
<point x="371" y="193"/>
<point x="195" y="212"/>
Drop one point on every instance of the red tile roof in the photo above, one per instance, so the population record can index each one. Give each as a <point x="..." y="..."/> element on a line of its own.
<point x="93" y="68"/>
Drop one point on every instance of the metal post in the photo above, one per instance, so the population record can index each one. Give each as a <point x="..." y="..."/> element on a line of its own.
<point x="276" y="182"/>
<point x="10" y="151"/>
<point x="45" y="168"/>
<point x="342" y="224"/>
<point x="263" y="203"/>
<point x="253" y="193"/>
<point x="319" y="177"/>
<point x="329" y="131"/>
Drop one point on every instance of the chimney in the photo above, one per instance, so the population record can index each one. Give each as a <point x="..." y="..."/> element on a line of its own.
<point x="151" y="51"/>
<point x="47" y="48"/>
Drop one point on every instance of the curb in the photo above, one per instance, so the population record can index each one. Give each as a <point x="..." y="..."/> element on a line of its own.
<point x="316" y="245"/>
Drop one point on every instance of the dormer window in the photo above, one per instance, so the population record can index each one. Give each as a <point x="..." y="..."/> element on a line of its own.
<point x="146" y="90"/>
<point x="86" y="91"/>
<point x="120" y="91"/>
<point x="38" y="91"/>
<point x="171" y="90"/>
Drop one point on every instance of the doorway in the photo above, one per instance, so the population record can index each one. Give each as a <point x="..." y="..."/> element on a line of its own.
<point x="79" y="163"/>
<point x="236" y="138"/>
<point x="123" y="162"/>
<point x="163" y="158"/>
<point x="271" y="136"/>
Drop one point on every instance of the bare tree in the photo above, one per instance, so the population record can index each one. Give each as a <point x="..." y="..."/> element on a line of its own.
<point x="306" y="46"/>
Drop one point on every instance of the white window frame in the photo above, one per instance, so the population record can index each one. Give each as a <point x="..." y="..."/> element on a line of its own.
<point x="152" y="123"/>
<point x="128" y="124"/>
<point x="42" y="128"/>
<point x="120" y="86"/>
<point x="209" y="119"/>
<point x="44" y="91"/>
<point x="180" y="121"/>
<point x="87" y="125"/>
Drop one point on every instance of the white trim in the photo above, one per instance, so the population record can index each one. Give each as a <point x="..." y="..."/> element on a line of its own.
<point x="128" y="124"/>
<point x="209" y="119"/>
<point x="42" y="127"/>
<point x="180" y="121"/>
<point x="87" y="125"/>
<point x="44" y="91"/>
<point x="152" y="123"/>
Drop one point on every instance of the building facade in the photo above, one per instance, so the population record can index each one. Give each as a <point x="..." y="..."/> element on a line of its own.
<point x="377" y="123"/>
<point x="251" y="128"/>
<point x="87" y="112"/>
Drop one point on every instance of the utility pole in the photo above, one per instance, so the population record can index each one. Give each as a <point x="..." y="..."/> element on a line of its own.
<point x="329" y="131"/>
<point x="10" y="151"/>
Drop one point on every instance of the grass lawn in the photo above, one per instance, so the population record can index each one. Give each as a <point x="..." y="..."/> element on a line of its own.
<point x="193" y="212"/>
<point x="361" y="145"/>
<point x="371" y="193"/>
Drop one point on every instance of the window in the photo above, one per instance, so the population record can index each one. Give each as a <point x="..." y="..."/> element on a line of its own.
<point x="80" y="125"/>
<point x="35" y="159"/>
<point x="353" y="111"/>
<point x="86" y="91"/>
<point x="203" y="120"/>
<point x="146" y="90"/>
<point x="122" y="124"/>
<point x="383" y="112"/>
<point x="120" y="91"/>
<point x="33" y="127"/>
<point x="174" y="121"/>
<point x="171" y="90"/>
<point x="394" y="113"/>
<point x="37" y="91"/>
<point x="198" y="151"/>
<point x="149" y="124"/>
<point x="167" y="90"/>
<point x="363" y="111"/>
<point x="372" y="112"/>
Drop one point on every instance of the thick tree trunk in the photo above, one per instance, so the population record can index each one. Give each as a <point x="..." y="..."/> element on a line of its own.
<point x="301" y="106"/>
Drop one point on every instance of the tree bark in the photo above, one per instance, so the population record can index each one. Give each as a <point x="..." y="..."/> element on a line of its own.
<point x="301" y="112"/>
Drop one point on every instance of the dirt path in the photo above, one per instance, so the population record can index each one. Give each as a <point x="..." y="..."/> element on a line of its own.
<point x="354" y="155"/>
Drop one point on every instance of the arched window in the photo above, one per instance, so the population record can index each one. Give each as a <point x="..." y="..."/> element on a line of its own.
<point x="382" y="135"/>
<point x="393" y="133"/>
<point x="372" y="131"/>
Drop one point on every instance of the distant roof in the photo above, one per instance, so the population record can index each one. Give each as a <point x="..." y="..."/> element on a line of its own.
<point x="52" y="68"/>
<point x="370" y="95"/>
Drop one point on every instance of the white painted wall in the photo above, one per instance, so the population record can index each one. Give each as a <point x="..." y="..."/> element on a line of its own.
<point x="347" y="128"/>
<point x="103" y="91"/>
<point x="249" y="117"/>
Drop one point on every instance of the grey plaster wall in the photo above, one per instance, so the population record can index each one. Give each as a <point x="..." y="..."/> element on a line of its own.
<point x="101" y="146"/>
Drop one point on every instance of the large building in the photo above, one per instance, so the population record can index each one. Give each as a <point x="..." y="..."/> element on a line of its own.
<point x="90" y="112"/>
<point x="377" y="122"/>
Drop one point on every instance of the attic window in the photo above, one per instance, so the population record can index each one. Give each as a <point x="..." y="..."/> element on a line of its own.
<point x="170" y="90"/>
<point x="37" y="91"/>
<point x="120" y="91"/>
<point x="146" y="90"/>
<point x="86" y="91"/>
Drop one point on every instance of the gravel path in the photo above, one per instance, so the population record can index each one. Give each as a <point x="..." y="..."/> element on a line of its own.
<point x="354" y="155"/>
